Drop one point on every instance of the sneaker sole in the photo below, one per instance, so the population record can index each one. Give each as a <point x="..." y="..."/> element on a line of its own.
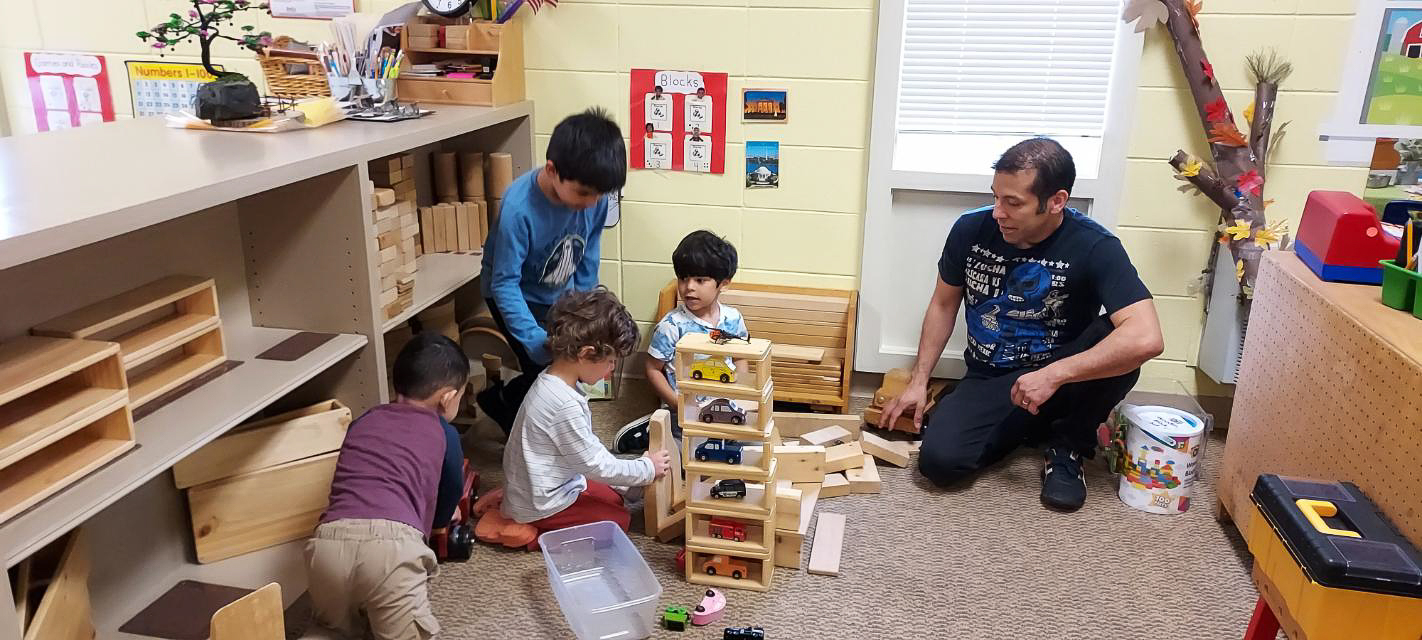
<point x="643" y="422"/>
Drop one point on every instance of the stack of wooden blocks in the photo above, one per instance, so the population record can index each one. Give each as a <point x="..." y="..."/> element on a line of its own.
<point x="264" y="483"/>
<point x="397" y="230"/>
<point x="469" y="188"/>
<point x="730" y="515"/>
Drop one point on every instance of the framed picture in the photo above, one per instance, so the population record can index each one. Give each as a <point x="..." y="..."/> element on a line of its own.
<point x="1380" y="95"/>
<point x="762" y="165"/>
<point x="763" y="105"/>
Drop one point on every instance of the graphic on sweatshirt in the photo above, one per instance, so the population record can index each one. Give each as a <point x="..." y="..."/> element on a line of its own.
<point x="1019" y="323"/>
<point x="563" y="261"/>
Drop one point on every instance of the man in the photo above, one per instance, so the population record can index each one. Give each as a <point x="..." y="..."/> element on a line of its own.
<point x="1042" y="365"/>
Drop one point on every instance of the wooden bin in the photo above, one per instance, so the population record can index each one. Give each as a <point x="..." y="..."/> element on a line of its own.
<point x="813" y="332"/>
<point x="502" y="41"/>
<point x="168" y="332"/>
<point x="63" y="413"/>
<point x="52" y="594"/>
<point x="265" y="483"/>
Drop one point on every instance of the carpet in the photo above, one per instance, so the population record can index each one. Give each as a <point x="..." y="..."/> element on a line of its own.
<point x="983" y="561"/>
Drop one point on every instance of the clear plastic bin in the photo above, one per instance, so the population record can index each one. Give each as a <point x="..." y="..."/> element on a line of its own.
<point x="603" y="585"/>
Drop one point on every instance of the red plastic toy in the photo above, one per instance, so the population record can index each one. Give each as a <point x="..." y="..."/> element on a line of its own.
<point x="727" y="530"/>
<point x="456" y="542"/>
<point x="1341" y="239"/>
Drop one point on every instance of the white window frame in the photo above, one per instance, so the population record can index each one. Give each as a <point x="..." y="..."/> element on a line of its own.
<point x="1102" y="185"/>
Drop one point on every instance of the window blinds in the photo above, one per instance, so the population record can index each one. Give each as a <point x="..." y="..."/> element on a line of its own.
<point x="1007" y="66"/>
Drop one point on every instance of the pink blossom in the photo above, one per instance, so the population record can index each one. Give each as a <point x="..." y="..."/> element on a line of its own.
<point x="203" y="32"/>
<point x="192" y="13"/>
<point x="266" y="40"/>
<point x="159" y="45"/>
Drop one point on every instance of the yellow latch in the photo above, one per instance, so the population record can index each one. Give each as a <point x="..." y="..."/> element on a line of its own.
<point x="1317" y="510"/>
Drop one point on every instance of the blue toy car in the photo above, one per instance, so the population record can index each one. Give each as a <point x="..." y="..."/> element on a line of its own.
<point x="727" y="451"/>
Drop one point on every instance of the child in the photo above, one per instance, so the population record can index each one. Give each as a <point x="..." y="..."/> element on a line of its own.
<point x="547" y="241"/>
<point x="557" y="472"/>
<point x="704" y="264"/>
<point x="368" y="559"/>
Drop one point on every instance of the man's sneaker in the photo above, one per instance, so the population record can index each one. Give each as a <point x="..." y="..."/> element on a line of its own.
<point x="491" y="402"/>
<point x="1063" y="485"/>
<point x="633" y="437"/>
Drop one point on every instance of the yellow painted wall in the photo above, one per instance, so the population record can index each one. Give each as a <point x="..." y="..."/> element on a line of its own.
<point x="1168" y="234"/>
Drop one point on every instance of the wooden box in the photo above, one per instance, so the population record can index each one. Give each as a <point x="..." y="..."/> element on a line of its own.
<point x="291" y="436"/>
<point x="758" y="569"/>
<point x="63" y="413"/>
<point x="259" y="509"/>
<point x="481" y="41"/>
<point x="168" y="332"/>
<point x="52" y="592"/>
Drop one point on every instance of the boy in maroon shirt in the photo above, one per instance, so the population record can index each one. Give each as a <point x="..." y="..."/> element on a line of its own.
<point x="368" y="560"/>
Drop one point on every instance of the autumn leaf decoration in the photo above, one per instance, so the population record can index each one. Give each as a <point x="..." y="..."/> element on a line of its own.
<point x="1192" y="168"/>
<point x="1208" y="70"/>
<point x="1238" y="269"/>
<point x="1269" y="236"/>
<point x="1239" y="231"/>
<point x="1252" y="182"/>
<point x="1145" y="13"/>
<point x="1227" y="134"/>
<point x="1193" y="8"/>
<point x="1249" y="113"/>
<point x="1217" y="111"/>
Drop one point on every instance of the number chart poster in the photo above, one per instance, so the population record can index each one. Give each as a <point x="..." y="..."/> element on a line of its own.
<point x="678" y="120"/>
<point x="165" y="87"/>
<point x="68" y="89"/>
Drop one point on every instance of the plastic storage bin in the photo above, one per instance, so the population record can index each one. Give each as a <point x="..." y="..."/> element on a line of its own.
<point x="604" y="587"/>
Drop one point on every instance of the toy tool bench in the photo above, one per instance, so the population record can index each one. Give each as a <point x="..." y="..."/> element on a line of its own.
<point x="1329" y="565"/>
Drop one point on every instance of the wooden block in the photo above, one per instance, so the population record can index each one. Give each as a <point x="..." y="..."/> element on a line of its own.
<point x="389" y="254"/>
<point x="427" y="229"/>
<point x="795" y="425"/>
<point x="471" y="175"/>
<point x="388" y="268"/>
<point x="787" y="505"/>
<point x="788" y="545"/>
<point x="800" y="463"/>
<point x="384" y="197"/>
<point x="406" y="208"/>
<point x="843" y="456"/>
<point x="894" y="453"/>
<point x="65" y="611"/>
<point x="407" y="161"/>
<point x="451" y="228"/>
<point x="445" y="228"/>
<point x="386" y="165"/>
<point x="408" y="232"/>
<point x="660" y="511"/>
<point x="386" y="226"/>
<point x="461" y="212"/>
<point x="827" y="436"/>
<point x="483" y="219"/>
<point x="498" y="174"/>
<point x="259" y="509"/>
<point x="828" y="545"/>
<point x="444" y="167"/>
<point x="387" y="240"/>
<point x="864" y="479"/>
<point x="283" y="438"/>
<point x="255" y="616"/>
<point x="834" y="486"/>
<point x="809" y="497"/>
<point x="386" y="213"/>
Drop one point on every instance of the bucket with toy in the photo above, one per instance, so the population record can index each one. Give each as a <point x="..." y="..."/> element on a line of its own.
<point x="1160" y="457"/>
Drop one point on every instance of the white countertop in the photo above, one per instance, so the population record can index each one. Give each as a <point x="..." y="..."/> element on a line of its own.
<point x="65" y="189"/>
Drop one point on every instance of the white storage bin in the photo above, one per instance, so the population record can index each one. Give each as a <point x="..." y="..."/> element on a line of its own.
<point x="604" y="587"/>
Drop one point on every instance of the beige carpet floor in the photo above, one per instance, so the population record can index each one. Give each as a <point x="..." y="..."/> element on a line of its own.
<point x="985" y="561"/>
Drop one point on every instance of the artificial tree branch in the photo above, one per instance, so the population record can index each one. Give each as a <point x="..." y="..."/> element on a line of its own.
<point x="1205" y="180"/>
<point x="1268" y="72"/>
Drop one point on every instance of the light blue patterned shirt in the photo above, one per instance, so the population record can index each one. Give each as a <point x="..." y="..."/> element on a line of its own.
<point x="679" y="322"/>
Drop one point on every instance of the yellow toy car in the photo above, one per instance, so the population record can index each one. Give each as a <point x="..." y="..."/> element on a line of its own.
<point x="712" y="369"/>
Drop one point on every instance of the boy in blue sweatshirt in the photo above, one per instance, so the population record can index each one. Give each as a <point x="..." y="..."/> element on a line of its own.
<point x="547" y="241"/>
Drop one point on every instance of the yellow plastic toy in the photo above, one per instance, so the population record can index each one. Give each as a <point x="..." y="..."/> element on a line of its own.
<point x="712" y="369"/>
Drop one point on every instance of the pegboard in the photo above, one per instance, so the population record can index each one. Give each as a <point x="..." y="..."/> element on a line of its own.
<point x="1330" y="388"/>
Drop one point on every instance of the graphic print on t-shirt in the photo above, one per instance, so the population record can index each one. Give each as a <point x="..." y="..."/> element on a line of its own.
<point x="563" y="261"/>
<point x="1014" y="311"/>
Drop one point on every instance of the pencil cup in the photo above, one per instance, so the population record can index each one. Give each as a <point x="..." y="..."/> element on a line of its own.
<point x="387" y="90"/>
<point x="372" y="88"/>
<point x="340" y="87"/>
<point x="1400" y="288"/>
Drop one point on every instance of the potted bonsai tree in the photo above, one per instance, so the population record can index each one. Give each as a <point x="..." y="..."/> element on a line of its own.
<point x="232" y="96"/>
<point x="1411" y="153"/>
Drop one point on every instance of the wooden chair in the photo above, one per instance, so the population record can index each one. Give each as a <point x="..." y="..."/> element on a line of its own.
<point x="255" y="616"/>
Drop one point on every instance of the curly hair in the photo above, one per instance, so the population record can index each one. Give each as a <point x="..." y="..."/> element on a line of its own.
<point x="590" y="319"/>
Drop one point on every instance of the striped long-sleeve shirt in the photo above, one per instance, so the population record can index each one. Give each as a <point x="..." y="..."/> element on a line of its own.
<point x="552" y="452"/>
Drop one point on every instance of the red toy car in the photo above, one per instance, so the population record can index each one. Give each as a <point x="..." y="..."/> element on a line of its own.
<point x="728" y="530"/>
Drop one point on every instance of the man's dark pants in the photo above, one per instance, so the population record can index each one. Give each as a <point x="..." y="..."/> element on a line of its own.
<point x="977" y="424"/>
<point x="502" y="403"/>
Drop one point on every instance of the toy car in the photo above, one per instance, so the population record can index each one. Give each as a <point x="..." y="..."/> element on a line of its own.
<point x="723" y="411"/>
<point x="727" y="451"/>
<point x="727" y="530"/>
<point x="719" y="564"/>
<point x="712" y="369"/>
<point x="743" y="633"/>
<point x="710" y="609"/>
<point x="729" y="489"/>
<point x="675" y="618"/>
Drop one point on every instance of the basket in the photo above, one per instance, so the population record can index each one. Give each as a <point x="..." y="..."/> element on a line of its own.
<point x="278" y="67"/>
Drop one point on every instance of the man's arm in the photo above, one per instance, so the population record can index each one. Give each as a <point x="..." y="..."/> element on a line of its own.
<point x="1135" y="339"/>
<point x="938" y="323"/>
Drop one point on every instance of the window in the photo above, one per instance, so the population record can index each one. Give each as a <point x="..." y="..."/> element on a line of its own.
<point x="991" y="72"/>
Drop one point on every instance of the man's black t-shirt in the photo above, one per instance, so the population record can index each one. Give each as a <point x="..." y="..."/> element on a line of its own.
<point x="1022" y="304"/>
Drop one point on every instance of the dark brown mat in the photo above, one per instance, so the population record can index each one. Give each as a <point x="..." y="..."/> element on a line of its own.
<point x="296" y="347"/>
<point x="184" y="612"/>
<point x="184" y="389"/>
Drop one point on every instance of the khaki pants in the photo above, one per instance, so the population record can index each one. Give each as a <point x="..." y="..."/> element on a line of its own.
<point x="374" y="571"/>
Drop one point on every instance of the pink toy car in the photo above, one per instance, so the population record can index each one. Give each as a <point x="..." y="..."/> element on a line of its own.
<point x="710" y="609"/>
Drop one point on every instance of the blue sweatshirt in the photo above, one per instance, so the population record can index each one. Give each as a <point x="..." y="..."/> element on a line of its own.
<point x="536" y="252"/>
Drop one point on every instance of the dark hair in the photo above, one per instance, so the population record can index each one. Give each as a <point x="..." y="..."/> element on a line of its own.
<point x="588" y="148"/>
<point x="1055" y="169"/>
<point x="590" y="319"/>
<point x="706" y="255"/>
<point x="428" y="363"/>
<point x="657" y="88"/>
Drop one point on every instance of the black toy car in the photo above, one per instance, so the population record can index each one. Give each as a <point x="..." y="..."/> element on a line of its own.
<point x="721" y="410"/>
<point x="743" y="633"/>
<point x="729" y="489"/>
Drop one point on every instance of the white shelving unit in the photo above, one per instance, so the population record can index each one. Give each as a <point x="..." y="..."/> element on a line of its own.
<point x="281" y="224"/>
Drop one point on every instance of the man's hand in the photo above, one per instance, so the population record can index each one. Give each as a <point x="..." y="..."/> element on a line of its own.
<point x="914" y="397"/>
<point x="1035" y="388"/>
<point x="661" y="462"/>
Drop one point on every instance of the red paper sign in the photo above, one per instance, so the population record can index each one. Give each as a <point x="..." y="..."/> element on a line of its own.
<point x="68" y="89"/>
<point x="678" y="120"/>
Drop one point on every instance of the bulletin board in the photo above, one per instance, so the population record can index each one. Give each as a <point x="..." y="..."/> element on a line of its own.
<point x="678" y="120"/>
<point x="68" y="89"/>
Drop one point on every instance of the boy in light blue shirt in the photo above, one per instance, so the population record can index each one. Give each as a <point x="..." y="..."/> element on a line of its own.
<point x="704" y="264"/>
<point x="547" y="241"/>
